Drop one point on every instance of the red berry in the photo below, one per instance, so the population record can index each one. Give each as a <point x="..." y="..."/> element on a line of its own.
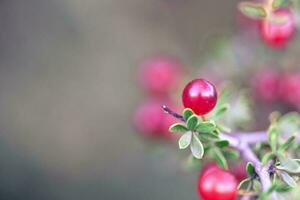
<point x="217" y="184"/>
<point x="150" y="120"/>
<point x="239" y="171"/>
<point x="290" y="88"/>
<point x="199" y="95"/>
<point x="160" y="75"/>
<point x="277" y="34"/>
<point x="265" y="85"/>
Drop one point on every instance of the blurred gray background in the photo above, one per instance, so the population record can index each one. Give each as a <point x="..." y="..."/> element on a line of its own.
<point x="68" y="90"/>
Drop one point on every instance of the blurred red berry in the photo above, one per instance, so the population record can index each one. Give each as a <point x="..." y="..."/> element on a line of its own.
<point x="277" y="34"/>
<point x="265" y="85"/>
<point x="239" y="171"/>
<point x="199" y="95"/>
<point x="217" y="184"/>
<point x="160" y="75"/>
<point x="150" y="120"/>
<point x="290" y="88"/>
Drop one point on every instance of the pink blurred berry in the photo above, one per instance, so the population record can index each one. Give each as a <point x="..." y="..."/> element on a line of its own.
<point x="160" y="75"/>
<point x="265" y="85"/>
<point x="277" y="34"/>
<point x="151" y="121"/>
<point x="290" y="88"/>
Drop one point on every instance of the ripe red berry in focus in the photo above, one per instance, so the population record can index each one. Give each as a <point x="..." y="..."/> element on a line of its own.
<point x="200" y="95"/>
<point x="265" y="85"/>
<point x="160" y="75"/>
<point x="217" y="184"/>
<point x="277" y="33"/>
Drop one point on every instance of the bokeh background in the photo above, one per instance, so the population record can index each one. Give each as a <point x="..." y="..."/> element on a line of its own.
<point x="68" y="90"/>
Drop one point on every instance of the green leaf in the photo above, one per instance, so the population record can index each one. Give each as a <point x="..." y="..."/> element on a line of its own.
<point x="288" y="179"/>
<point x="178" y="128"/>
<point x="266" y="157"/>
<point x="287" y="144"/>
<point x="185" y="140"/>
<point x="281" y="188"/>
<point x="223" y="128"/>
<point x="209" y="136"/>
<point x="273" y="137"/>
<point x="206" y="127"/>
<point x="250" y="169"/>
<point x="197" y="147"/>
<point x="252" y="10"/>
<point x="245" y="184"/>
<point x="219" y="158"/>
<point x="192" y="122"/>
<point x="279" y="3"/>
<point x="231" y="154"/>
<point x="289" y="165"/>
<point x="220" y="110"/>
<point x="222" y="143"/>
<point x="187" y="113"/>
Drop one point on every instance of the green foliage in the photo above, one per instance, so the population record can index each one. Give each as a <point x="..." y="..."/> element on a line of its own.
<point x="197" y="147"/>
<point x="219" y="158"/>
<point x="192" y="122"/>
<point x="250" y="169"/>
<point x="178" y="128"/>
<point x="187" y="113"/>
<point x="185" y="140"/>
<point x="206" y="127"/>
<point x="252" y="10"/>
<point x="280" y="3"/>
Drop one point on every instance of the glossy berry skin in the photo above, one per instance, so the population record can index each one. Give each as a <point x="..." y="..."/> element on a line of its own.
<point x="217" y="184"/>
<point x="265" y="85"/>
<point x="277" y="34"/>
<point x="160" y="75"/>
<point x="199" y="95"/>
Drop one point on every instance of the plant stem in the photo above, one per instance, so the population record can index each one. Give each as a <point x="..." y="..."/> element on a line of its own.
<point x="242" y="141"/>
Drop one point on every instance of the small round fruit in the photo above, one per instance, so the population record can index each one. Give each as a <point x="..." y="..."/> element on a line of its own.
<point x="217" y="184"/>
<point x="150" y="120"/>
<point x="290" y="88"/>
<point x="277" y="34"/>
<point x="148" y="117"/>
<point x="160" y="75"/>
<point x="200" y="96"/>
<point x="265" y="85"/>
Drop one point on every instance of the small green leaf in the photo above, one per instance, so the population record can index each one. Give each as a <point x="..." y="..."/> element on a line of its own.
<point x="192" y="122"/>
<point x="224" y="128"/>
<point x="252" y="10"/>
<point x="178" y="128"/>
<point x="289" y="165"/>
<point x="185" y="140"/>
<point x="288" y="179"/>
<point x="209" y="136"/>
<point x="281" y="188"/>
<point x="250" y="169"/>
<point x="187" y="113"/>
<point x="279" y="3"/>
<point x="206" y="127"/>
<point x="231" y="154"/>
<point x="197" y="147"/>
<point x="245" y="184"/>
<point x="287" y="144"/>
<point x="266" y="157"/>
<point x="222" y="143"/>
<point x="219" y="158"/>
<point x="221" y="109"/>
<point x="273" y="137"/>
